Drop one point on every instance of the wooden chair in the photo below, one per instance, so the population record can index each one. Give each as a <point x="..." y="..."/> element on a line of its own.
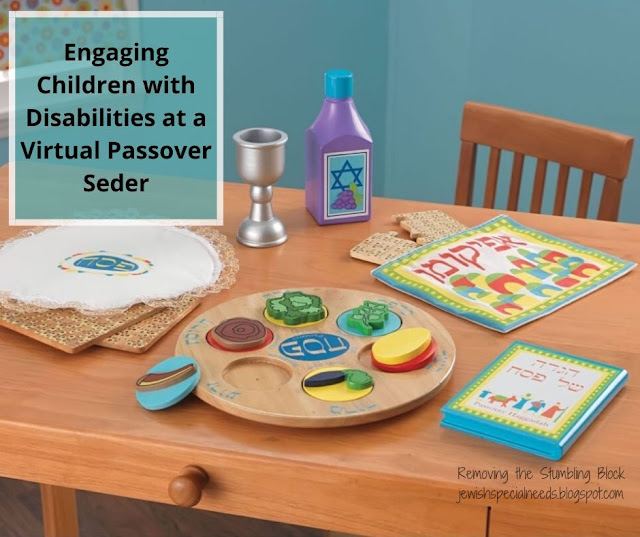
<point x="594" y="151"/>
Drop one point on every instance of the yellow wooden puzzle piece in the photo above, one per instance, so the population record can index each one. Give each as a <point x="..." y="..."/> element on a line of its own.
<point x="401" y="346"/>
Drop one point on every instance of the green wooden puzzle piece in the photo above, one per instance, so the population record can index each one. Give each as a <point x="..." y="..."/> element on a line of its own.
<point x="276" y="306"/>
<point x="296" y="307"/>
<point x="367" y="317"/>
<point x="358" y="380"/>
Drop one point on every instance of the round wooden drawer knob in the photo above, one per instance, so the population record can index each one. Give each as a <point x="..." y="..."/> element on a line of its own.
<point x="186" y="489"/>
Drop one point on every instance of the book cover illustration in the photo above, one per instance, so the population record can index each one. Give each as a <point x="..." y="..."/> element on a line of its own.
<point x="534" y="398"/>
<point x="501" y="274"/>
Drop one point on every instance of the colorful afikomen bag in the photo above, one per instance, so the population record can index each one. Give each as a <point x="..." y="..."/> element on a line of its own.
<point x="501" y="274"/>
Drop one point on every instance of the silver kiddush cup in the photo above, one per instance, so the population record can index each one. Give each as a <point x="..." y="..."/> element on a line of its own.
<point x="260" y="162"/>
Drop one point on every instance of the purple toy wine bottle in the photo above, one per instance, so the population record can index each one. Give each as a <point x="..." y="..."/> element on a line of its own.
<point x="338" y="157"/>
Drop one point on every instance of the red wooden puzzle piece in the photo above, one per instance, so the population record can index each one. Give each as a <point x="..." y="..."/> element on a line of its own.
<point x="417" y="363"/>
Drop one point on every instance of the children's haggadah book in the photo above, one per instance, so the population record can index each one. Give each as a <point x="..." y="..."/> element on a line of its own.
<point x="534" y="399"/>
<point x="501" y="274"/>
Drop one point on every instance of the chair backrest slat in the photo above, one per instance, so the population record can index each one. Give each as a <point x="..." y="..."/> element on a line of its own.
<point x="610" y="200"/>
<point x="516" y="180"/>
<point x="561" y="190"/>
<point x="466" y="172"/>
<point x="538" y="186"/>
<point x="585" y="194"/>
<point x="595" y="151"/>
<point x="492" y="178"/>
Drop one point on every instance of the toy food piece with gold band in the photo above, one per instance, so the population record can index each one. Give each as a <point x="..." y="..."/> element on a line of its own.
<point x="159" y="381"/>
<point x="167" y="382"/>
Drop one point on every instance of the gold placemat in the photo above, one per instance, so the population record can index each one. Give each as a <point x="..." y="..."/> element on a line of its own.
<point x="69" y="330"/>
<point x="139" y="337"/>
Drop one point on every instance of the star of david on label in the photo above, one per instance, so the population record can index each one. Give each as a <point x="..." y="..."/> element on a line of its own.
<point x="346" y="168"/>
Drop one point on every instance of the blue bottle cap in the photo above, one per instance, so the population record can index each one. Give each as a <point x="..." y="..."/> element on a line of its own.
<point x="338" y="84"/>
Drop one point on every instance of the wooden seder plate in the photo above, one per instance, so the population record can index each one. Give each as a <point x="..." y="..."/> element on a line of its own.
<point x="265" y="384"/>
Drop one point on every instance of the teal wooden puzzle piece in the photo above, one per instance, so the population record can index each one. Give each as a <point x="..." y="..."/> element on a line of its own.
<point x="368" y="317"/>
<point x="296" y="307"/>
<point x="167" y="383"/>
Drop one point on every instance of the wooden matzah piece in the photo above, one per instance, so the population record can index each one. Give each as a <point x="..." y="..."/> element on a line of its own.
<point x="381" y="247"/>
<point x="69" y="330"/>
<point x="428" y="226"/>
<point x="139" y="337"/>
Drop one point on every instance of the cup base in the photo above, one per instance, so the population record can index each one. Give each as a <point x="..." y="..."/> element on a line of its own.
<point x="261" y="234"/>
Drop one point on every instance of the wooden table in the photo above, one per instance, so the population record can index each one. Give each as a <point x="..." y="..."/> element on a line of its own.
<point x="72" y="422"/>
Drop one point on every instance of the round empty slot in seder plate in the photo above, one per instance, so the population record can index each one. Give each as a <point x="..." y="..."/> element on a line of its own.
<point x="257" y="373"/>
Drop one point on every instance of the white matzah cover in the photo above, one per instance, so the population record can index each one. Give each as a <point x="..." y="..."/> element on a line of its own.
<point x="96" y="269"/>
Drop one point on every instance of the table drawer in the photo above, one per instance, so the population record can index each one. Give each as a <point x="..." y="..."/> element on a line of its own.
<point x="338" y="501"/>
<point x="326" y="498"/>
<point x="564" y="518"/>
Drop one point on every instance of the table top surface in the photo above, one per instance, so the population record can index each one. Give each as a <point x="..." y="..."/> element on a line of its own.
<point x="92" y="392"/>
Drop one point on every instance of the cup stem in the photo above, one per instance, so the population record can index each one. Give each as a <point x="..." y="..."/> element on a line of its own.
<point x="260" y="161"/>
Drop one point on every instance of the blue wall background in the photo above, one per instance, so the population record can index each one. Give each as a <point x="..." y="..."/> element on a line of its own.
<point x="571" y="59"/>
<point x="276" y="53"/>
<point x="416" y="62"/>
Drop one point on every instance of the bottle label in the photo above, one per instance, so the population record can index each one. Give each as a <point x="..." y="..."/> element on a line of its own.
<point x="346" y="184"/>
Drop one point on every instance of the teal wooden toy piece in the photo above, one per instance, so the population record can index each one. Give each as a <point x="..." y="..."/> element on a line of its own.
<point x="167" y="383"/>
<point x="296" y="307"/>
<point x="368" y="317"/>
